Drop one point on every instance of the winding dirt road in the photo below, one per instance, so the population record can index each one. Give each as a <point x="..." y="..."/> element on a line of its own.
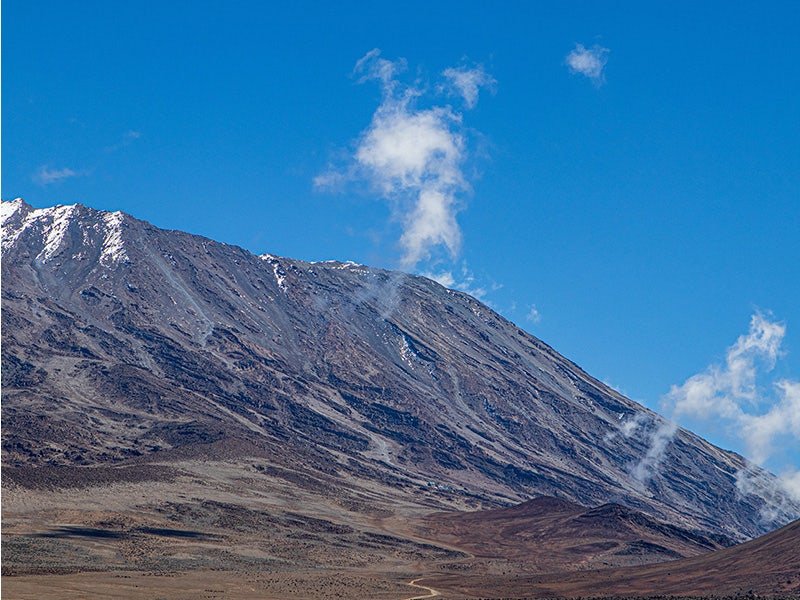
<point x="432" y="593"/>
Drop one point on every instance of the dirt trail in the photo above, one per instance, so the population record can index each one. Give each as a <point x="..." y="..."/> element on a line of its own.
<point x="432" y="593"/>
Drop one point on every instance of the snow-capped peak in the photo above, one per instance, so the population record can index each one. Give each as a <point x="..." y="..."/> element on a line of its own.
<point x="9" y="208"/>
<point x="51" y="228"/>
<point x="53" y="224"/>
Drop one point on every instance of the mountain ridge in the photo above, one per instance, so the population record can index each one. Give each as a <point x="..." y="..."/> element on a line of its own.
<point x="767" y="566"/>
<point x="158" y="340"/>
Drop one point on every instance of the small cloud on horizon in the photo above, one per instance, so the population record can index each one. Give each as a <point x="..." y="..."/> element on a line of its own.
<point x="47" y="176"/>
<point x="589" y="62"/>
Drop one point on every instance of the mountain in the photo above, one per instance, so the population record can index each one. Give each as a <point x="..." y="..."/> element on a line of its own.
<point x="768" y="566"/>
<point x="557" y="535"/>
<point x="128" y="351"/>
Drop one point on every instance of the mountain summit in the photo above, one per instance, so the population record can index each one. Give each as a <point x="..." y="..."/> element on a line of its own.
<point x="125" y="344"/>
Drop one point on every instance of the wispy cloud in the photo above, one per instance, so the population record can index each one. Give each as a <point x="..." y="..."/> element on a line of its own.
<point x="468" y="82"/>
<point x="47" y="176"/>
<point x="444" y="278"/>
<point x="463" y="280"/>
<point x="762" y="419"/>
<point x="127" y="139"/>
<point x="781" y="495"/>
<point x="790" y="479"/>
<point x="729" y="391"/>
<point x="372" y="66"/>
<point x="589" y="62"/>
<point x="534" y="316"/>
<point x="781" y="420"/>
<point x="413" y="157"/>
<point x="659" y="436"/>
<point x="654" y="432"/>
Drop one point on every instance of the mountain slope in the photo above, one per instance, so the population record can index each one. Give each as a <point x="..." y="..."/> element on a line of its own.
<point x="768" y="566"/>
<point x="556" y="536"/>
<point x="123" y="342"/>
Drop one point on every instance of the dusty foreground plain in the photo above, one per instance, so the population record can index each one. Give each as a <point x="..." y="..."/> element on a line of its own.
<point x="217" y="529"/>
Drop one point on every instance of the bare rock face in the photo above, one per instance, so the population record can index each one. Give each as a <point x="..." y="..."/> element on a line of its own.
<point x="123" y="343"/>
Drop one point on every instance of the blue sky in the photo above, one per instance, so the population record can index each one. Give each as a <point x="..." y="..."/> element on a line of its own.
<point x="622" y="179"/>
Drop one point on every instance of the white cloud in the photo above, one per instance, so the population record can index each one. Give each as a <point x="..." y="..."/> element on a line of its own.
<point x="534" y="316"/>
<point x="781" y="495"/>
<point x="628" y="426"/>
<point x="371" y="66"/>
<point x="444" y="278"/>
<point x="657" y="437"/>
<point x="468" y="82"/>
<point x="589" y="62"/>
<point x="729" y="392"/>
<point x="465" y="282"/>
<point x="414" y="158"/>
<point x="654" y="432"/>
<point x="330" y="180"/>
<point x="763" y="419"/>
<point x="790" y="480"/>
<point x="46" y="176"/>
<point x="408" y="149"/>
<point x="762" y="431"/>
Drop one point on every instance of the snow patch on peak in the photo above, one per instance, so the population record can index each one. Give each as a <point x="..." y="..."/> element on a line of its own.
<point x="337" y="264"/>
<point x="60" y="228"/>
<point x="8" y="208"/>
<point x="52" y="225"/>
<point x="61" y="217"/>
<point x="351" y="265"/>
<point x="280" y="274"/>
<point x="113" y="251"/>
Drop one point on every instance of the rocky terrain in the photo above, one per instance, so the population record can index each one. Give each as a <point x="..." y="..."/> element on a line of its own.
<point x="177" y="405"/>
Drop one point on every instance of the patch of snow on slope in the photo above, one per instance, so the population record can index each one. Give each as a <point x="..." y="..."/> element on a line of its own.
<point x="56" y="232"/>
<point x="113" y="249"/>
<point x="356" y="267"/>
<point x="280" y="274"/>
<point x="406" y="352"/>
<point x="335" y="264"/>
<point x="8" y="209"/>
<point x="10" y="234"/>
